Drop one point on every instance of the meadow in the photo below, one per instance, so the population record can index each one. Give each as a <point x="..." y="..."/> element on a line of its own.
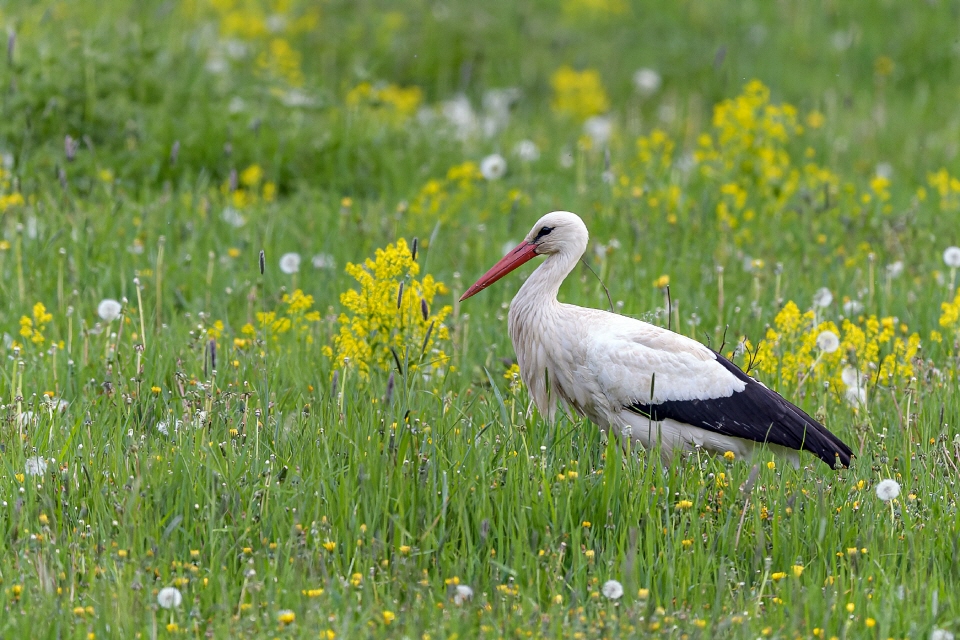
<point x="239" y="397"/>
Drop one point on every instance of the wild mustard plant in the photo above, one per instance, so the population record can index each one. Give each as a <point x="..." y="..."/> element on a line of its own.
<point x="391" y="309"/>
<point x="33" y="326"/>
<point x="392" y="102"/>
<point x="880" y="349"/>
<point x="295" y="316"/>
<point x="579" y="94"/>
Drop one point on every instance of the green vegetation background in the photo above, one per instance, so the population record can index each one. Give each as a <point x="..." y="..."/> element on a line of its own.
<point x="151" y="150"/>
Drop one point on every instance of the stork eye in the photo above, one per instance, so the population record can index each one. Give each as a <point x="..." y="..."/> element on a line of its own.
<point x="544" y="231"/>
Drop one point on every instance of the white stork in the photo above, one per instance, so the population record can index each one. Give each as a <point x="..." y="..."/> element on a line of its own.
<point x="642" y="381"/>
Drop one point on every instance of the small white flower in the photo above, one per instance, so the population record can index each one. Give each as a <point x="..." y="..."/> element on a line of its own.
<point x="828" y="342"/>
<point x="527" y="151"/>
<point x="952" y="257"/>
<point x="290" y="263"/>
<point x="109" y="309"/>
<point x="233" y="217"/>
<point x="169" y="597"/>
<point x="885" y="170"/>
<point x="461" y="594"/>
<point x="822" y="297"/>
<point x="599" y="128"/>
<point x="35" y="466"/>
<point x="647" y="81"/>
<point x="852" y="307"/>
<point x="894" y="269"/>
<point x="941" y="634"/>
<point x="612" y="589"/>
<point x="888" y="489"/>
<point x="566" y="159"/>
<point x="323" y="261"/>
<point x="493" y="167"/>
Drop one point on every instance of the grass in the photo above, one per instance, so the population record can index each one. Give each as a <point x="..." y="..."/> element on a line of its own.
<point x="296" y="498"/>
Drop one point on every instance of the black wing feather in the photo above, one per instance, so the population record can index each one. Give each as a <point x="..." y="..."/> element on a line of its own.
<point x="756" y="413"/>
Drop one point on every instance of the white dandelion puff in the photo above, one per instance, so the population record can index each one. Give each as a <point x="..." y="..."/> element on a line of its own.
<point x="461" y="594"/>
<point x="612" y="589"/>
<point x="852" y="307"/>
<point x="884" y="170"/>
<point x="888" y="489"/>
<point x="35" y="466"/>
<point x="290" y="263"/>
<point x="894" y="269"/>
<point x="323" y="261"/>
<point x="951" y="256"/>
<point x="493" y="167"/>
<point x="599" y="129"/>
<point x="856" y="392"/>
<point x="527" y="151"/>
<point x="647" y="81"/>
<point x="233" y="217"/>
<point x="822" y="297"/>
<point x="169" y="597"/>
<point x="828" y="342"/>
<point x="941" y="634"/>
<point x="566" y="158"/>
<point x="109" y="309"/>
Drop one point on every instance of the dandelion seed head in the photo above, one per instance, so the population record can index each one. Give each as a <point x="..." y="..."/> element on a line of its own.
<point x="290" y="263"/>
<point x="951" y="256"/>
<point x="169" y="597"/>
<point x="828" y="342"/>
<point x="888" y="489"/>
<point x="822" y="297"/>
<point x="527" y="151"/>
<point x="493" y="167"/>
<point x="599" y="129"/>
<point x="647" y="81"/>
<point x="323" y="261"/>
<point x="461" y="594"/>
<point x="612" y="589"/>
<point x="35" y="466"/>
<point x="852" y="307"/>
<point x="894" y="269"/>
<point x="109" y="309"/>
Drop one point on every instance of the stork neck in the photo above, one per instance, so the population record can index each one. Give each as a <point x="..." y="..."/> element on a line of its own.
<point x="544" y="283"/>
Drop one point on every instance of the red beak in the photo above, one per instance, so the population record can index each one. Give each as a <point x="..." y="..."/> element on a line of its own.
<point x="524" y="252"/>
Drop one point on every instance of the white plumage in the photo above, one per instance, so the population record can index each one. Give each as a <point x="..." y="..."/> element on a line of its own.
<point x="642" y="381"/>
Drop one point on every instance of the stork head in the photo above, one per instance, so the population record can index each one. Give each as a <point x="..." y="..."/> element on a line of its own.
<point x="558" y="232"/>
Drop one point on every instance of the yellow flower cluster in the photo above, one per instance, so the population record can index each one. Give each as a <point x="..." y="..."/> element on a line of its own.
<point x="950" y="316"/>
<point x="578" y="93"/>
<point x="439" y="198"/>
<point x="391" y="309"/>
<point x="947" y="188"/>
<point x="8" y="199"/>
<point x="296" y="316"/>
<point x="252" y="188"/>
<point x="268" y="26"/>
<point x="280" y="60"/>
<point x="398" y="103"/>
<point x="31" y="328"/>
<point x="878" y="349"/>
